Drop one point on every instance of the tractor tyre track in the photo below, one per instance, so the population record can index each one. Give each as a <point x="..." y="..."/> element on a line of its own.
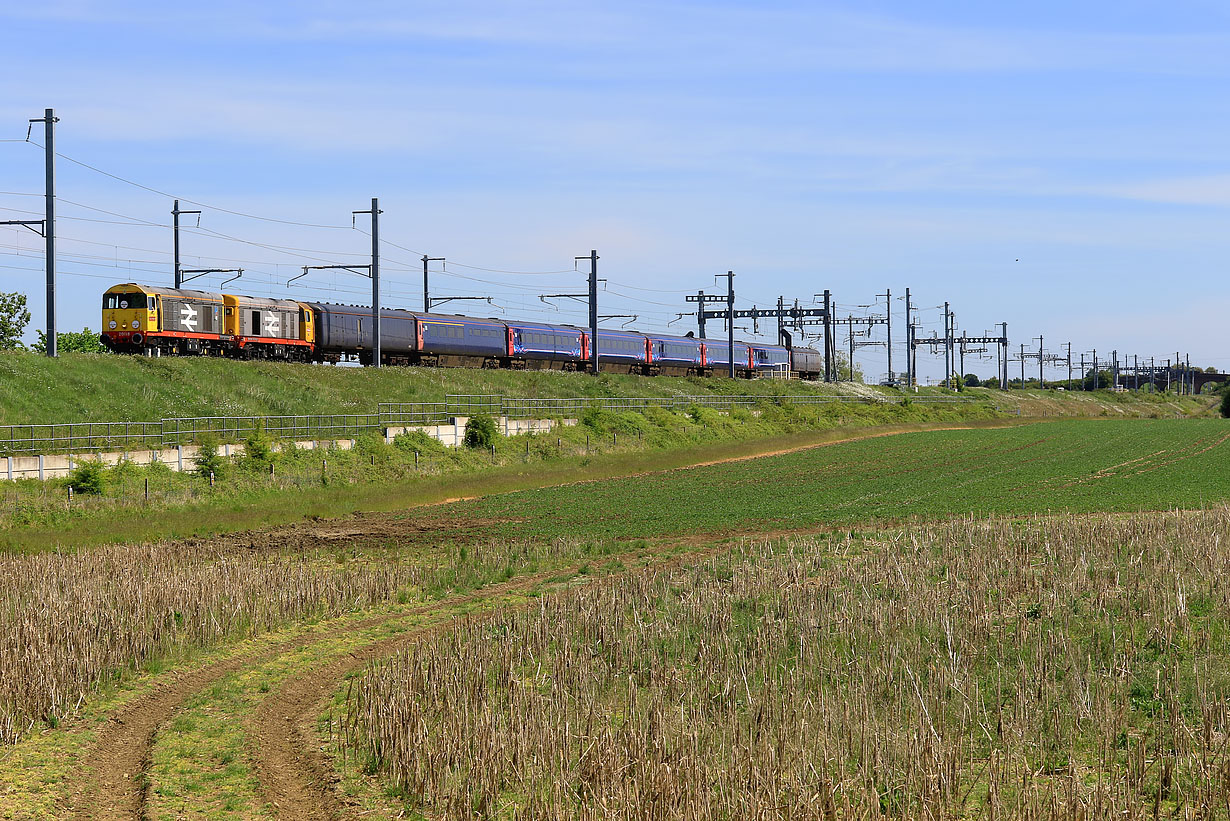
<point x="120" y="756"/>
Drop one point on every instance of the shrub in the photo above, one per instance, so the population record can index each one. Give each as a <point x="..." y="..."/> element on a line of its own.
<point x="207" y="458"/>
<point x="258" y="447"/>
<point x="87" y="477"/>
<point x="480" y="432"/>
<point x="596" y="419"/>
<point x="413" y="440"/>
<point x="1225" y="404"/>
<point x="372" y="445"/>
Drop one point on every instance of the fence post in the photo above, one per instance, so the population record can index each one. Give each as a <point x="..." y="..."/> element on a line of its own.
<point x="147" y="490"/>
<point x="416" y="460"/>
<point x="10" y="460"/>
<point x="179" y="451"/>
<point x="40" y="467"/>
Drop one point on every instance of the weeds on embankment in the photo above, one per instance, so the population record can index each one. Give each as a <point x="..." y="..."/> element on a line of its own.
<point x="1005" y="669"/>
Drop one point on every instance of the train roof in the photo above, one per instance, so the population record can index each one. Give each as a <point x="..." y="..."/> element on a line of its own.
<point x="671" y="338"/>
<point x="457" y="319"/>
<point x="366" y="310"/>
<point x="541" y="326"/>
<point x="125" y="287"/>
<point x="262" y="302"/>
<point x="621" y="332"/>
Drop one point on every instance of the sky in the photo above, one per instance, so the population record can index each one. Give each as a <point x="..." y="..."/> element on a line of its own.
<point x="1059" y="167"/>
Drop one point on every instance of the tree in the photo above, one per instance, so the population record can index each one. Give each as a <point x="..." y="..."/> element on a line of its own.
<point x="83" y="341"/>
<point x="1225" y="405"/>
<point x="87" y="478"/>
<point x="208" y="461"/>
<point x="480" y="431"/>
<point x="972" y="381"/>
<point x="13" y="320"/>
<point x="842" y="363"/>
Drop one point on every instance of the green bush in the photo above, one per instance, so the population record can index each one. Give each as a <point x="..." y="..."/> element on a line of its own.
<point x="1225" y="404"/>
<point x="413" y="440"/>
<point x="480" y="432"/>
<point x="208" y="460"/>
<point x="87" y="477"/>
<point x="258" y="447"/>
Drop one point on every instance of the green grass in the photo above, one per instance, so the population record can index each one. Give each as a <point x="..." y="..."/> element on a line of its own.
<point x="1073" y="466"/>
<point x="35" y="517"/>
<point x="104" y="387"/>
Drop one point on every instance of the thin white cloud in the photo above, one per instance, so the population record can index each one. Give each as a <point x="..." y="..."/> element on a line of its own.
<point x="642" y="38"/>
<point x="1213" y="190"/>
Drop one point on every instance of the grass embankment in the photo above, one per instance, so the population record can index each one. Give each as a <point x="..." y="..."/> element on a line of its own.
<point x="107" y="388"/>
<point x="999" y="669"/>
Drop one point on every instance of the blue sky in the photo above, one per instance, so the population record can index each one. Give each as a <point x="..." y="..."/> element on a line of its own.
<point x="1062" y="169"/>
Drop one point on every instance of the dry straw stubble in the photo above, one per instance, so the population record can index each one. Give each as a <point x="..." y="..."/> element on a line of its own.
<point x="1000" y="668"/>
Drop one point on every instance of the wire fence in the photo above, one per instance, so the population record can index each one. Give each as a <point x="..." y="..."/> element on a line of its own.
<point x="238" y="428"/>
<point x="70" y="437"/>
<point x="85" y="437"/>
<point x="406" y="414"/>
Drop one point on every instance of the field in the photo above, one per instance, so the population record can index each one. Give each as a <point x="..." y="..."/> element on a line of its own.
<point x="991" y="621"/>
<point x="1052" y="668"/>
<point x="1058" y="466"/>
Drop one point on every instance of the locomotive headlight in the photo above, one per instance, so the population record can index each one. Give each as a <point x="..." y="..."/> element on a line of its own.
<point x="112" y="326"/>
<point x="136" y="323"/>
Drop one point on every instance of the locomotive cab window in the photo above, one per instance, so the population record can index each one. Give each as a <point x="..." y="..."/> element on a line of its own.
<point x="122" y="301"/>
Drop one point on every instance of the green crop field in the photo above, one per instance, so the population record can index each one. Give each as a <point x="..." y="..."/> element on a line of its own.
<point x="1074" y="466"/>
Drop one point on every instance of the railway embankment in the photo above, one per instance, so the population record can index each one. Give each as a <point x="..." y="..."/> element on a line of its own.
<point x="107" y="388"/>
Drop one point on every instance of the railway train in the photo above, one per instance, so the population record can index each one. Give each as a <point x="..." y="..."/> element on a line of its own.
<point x="157" y="321"/>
